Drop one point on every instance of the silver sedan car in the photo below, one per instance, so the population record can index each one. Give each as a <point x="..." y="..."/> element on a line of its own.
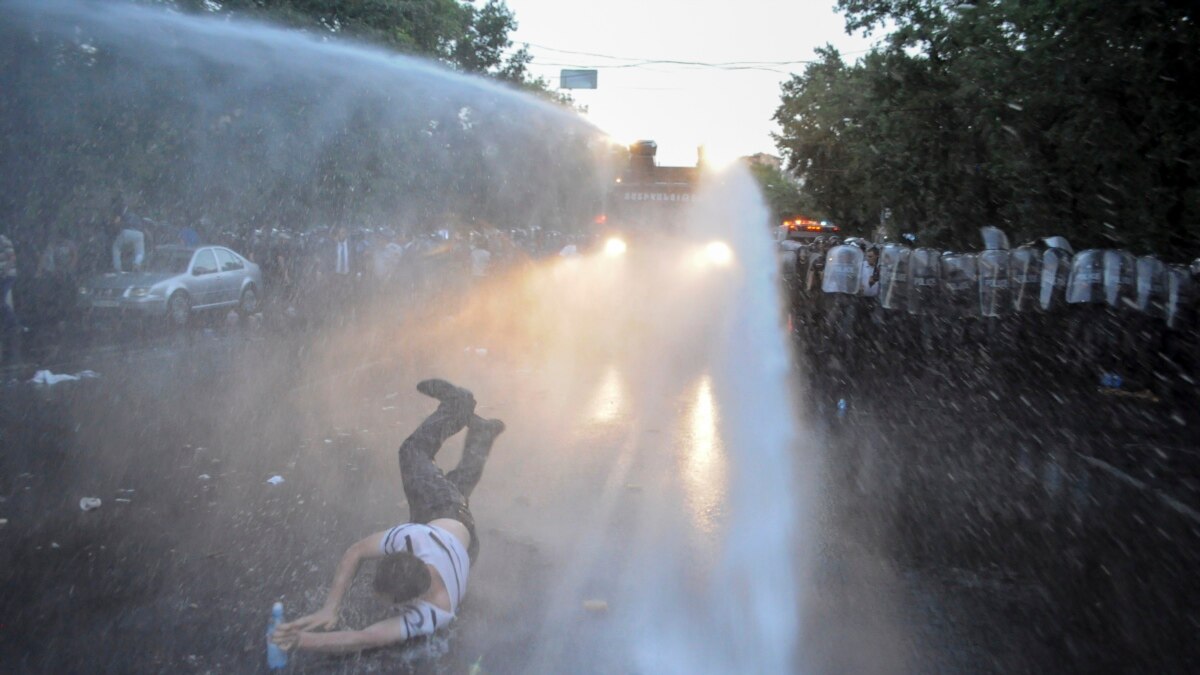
<point x="175" y="282"/>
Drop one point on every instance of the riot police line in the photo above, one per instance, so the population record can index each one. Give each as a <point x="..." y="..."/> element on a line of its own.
<point x="1096" y="502"/>
<point x="1102" y="315"/>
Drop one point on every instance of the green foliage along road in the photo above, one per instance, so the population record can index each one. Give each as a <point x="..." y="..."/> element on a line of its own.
<point x="193" y="120"/>
<point x="1073" y="117"/>
<point x="465" y="36"/>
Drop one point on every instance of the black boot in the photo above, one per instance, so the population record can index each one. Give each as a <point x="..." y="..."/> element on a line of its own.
<point x="484" y="430"/>
<point x="455" y="400"/>
<point x="443" y="390"/>
<point x="481" y="433"/>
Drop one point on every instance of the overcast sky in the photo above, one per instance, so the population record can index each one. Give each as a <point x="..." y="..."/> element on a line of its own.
<point x="682" y="107"/>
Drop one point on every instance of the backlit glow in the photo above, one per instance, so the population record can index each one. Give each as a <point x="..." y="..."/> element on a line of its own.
<point x="614" y="247"/>
<point x="607" y="402"/>
<point x="703" y="461"/>
<point x="719" y="253"/>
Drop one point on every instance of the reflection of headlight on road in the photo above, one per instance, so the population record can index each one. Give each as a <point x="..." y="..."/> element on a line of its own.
<point x="719" y="253"/>
<point x="614" y="247"/>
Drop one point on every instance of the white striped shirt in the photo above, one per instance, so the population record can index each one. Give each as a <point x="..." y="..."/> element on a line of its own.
<point x="437" y="547"/>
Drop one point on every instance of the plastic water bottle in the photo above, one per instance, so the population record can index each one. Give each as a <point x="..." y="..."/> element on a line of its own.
<point x="276" y="657"/>
<point x="842" y="405"/>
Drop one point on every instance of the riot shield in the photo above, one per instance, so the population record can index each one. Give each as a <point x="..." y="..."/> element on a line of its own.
<point x="995" y="295"/>
<point x="1180" y="297"/>
<point x="1086" y="285"/>
<point x="812" y="274"/>
<point x="1059" y="243"/>
<point x="994" y="238"/>
<point x="789" y="276"/>
<point x="922" y="281"/>
<point x="1150" y="285"/>
<point x="1025" y="278"/>
<point x="843" y="264"/>
<point x="801" y="271"/>
<point x="1055" y="279"/>
<point x="787" y="267"/>
<point x="1120" y="270"/>
<point x="893" y="276"/>
<point x="960" y="283"/>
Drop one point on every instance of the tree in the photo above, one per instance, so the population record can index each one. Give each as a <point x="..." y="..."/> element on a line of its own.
<point x="482" y="46"/>
<point x="816" y="135"/>
<point x="472" y="39"/>
<point x="781" y="192"/>
<point x="302" y="134"/>
<point x="1071" y="117"/>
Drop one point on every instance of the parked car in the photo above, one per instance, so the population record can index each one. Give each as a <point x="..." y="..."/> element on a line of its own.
<point x="176" y="282"/>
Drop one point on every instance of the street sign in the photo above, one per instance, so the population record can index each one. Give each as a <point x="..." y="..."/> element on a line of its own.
<point x="578" y="79"/>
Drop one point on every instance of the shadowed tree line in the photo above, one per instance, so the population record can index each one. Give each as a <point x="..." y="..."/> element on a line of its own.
<point x="465" y="36"/>
<point x="1071" y="117"/>
<point x="196" y="122"/>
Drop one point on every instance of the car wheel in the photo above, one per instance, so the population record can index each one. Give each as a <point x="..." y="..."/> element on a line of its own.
<point x="249" y="303"/>
<point x="179" y="309"/>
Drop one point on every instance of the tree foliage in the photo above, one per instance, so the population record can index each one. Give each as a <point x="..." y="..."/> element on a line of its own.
<point x="1073" y="117"/>
<point x="782" y="194"/>
<point x="192" y="121"/>
<point x="468" y="37"/>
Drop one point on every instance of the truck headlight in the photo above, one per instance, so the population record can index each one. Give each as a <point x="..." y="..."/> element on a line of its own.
<point x="719" y="253"/>
<point x="614" y="247"/>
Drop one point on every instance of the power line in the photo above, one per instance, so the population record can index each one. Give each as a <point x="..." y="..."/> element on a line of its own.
<point x="644" y="64"/>
<point x="712" y="64"/>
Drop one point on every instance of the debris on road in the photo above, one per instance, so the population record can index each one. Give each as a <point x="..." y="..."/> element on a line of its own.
<point x="205" y="476"/>
<point x="89" y="503"/>
<point x="275" y="480"/>
<point x="45" y="377"/>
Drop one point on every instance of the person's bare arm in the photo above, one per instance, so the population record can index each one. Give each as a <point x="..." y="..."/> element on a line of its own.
<point x="326" y="617"/>
<point x="386" y="632"/>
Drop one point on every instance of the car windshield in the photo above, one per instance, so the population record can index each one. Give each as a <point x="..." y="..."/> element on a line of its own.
<point x="168" y="261"/>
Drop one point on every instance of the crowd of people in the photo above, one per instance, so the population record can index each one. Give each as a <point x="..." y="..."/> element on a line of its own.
<point x="310" y="275"/>
<point x="1102" y="316"/>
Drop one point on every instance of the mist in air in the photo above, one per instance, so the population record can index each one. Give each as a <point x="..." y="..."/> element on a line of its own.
<point x="652" y="460"/>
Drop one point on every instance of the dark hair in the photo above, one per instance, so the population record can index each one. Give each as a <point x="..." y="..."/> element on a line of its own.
<point x="402" y="577"/>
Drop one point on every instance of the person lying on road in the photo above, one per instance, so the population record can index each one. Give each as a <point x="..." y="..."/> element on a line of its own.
<point x="425" y="562"/>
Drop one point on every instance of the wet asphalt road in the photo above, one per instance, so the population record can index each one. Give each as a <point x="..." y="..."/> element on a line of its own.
<point x="597" y="492"/>
<point x="922" y="533"/>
